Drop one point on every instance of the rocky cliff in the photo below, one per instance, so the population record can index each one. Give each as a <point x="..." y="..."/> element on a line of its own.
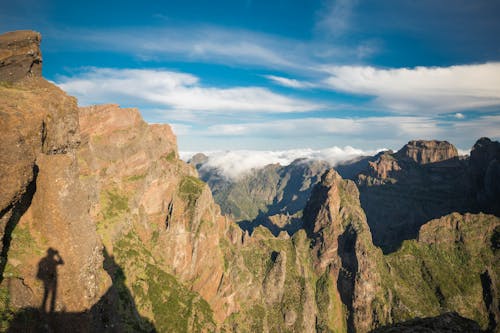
<point x="424" y="152"/>
<point x="452" y="266"/>
<point x="20" y="55"/>
<point x="273" y="196"/>
<point x="104" y="229"/>
<point x="401" y="191"/>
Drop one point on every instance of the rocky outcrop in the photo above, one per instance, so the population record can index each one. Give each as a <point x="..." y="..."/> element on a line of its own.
<point x="484" y="169"/>
<point x="35" y="117"/>
<point x="450" y="267"/>
<point x="20" y="55"/>
<point x="424" y="152"/>
<point x="146" y="198"/>
<point x="344" y="252"/>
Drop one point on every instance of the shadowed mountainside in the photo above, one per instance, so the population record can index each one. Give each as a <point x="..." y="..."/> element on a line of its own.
<point x="273" y="196"/>
<point x="424" y="180"/>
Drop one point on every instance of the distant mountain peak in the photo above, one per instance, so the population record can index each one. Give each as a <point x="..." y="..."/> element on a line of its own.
<point x="428" y="151"/>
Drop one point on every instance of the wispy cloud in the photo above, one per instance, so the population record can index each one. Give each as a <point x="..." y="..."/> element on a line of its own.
<point x="178" y="91"/>
<point x="379" y="131"/>
<point x="370" y="126"/>
<point x="428" y="90"/>
<point x="214" y="44"/>
<point x="236" y="163"/>
<point x="287" y="82"/>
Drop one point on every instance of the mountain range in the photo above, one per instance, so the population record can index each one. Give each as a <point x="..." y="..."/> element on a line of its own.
<point x="105" y="229"/>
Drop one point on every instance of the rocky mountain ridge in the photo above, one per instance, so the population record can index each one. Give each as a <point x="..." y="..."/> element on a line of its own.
<point x="104" y="229"/>
<point x="273" y="196"/>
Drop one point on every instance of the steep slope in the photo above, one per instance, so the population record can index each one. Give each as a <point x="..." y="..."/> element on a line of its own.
<point x="452" y="266"/>
<point x="273" y="196"/>
<point x="401" y="191"/>
<point x="107" y="232"/>
<point x="345" y="257"/>
<point x="150" y="208"/>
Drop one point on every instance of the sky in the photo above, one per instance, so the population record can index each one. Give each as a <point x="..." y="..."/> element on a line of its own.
<point x="297" y="75"/>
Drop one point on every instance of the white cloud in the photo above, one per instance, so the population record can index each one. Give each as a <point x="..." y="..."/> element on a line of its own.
<point x="234" y="164"/>
<point x="178" y="91"/>
<point x="370" y="132"/>
<point x="459" y="115"/>
<point x="428" y="90"/>
<point x="292" y="83"/>
<point x="370" y="126"/>
<point x="215" y="44"/>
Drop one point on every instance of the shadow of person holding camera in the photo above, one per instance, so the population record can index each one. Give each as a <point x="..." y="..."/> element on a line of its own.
<point x="47" y="273"/>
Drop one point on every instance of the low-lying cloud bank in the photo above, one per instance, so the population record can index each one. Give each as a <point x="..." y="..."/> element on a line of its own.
<point x="236" y="163"/>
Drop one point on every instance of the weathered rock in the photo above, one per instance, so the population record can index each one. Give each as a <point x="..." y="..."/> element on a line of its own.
<point x="35" y="117"/>
<point x="20" y="55"/>
<point x="424" y="152"/>
<point x="345" y="254"/>
<point x="450" y="267"/>
<point x="401" y="191"/>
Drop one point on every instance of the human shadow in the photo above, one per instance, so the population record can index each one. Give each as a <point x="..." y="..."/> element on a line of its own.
<point x="47" y="273"/>
<point x="115" y="311"/>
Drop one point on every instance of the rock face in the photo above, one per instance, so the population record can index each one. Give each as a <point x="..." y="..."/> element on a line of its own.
<point x="424" y="152"/>
<point x="401" y="191"/>
<point x="484" y="169"/>
<point x="104" y="229"/>
<point x="20" y="55"/>
<point x="345" y="256"/>
<point x="451" y="267"/>
<point x="273" y="196"/>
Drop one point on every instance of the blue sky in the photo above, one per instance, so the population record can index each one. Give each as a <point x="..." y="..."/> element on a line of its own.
<point x="275" y="75"/>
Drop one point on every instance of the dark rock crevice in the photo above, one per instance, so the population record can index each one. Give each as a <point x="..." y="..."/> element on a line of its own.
<point x="17" y="210"/>
<point x="489" y="300"/>
<point x="347" y="275"/>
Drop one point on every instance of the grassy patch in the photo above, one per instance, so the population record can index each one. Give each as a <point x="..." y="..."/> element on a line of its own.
<point x="113" y="204"/>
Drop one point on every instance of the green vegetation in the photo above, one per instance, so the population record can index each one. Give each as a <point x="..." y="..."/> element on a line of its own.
<point x="172" y="305"/>
<point x="190" y="189"/>
<point x="113" y="204"/>
<point x="421" y="287"/>
<point x="170" y="156"/>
